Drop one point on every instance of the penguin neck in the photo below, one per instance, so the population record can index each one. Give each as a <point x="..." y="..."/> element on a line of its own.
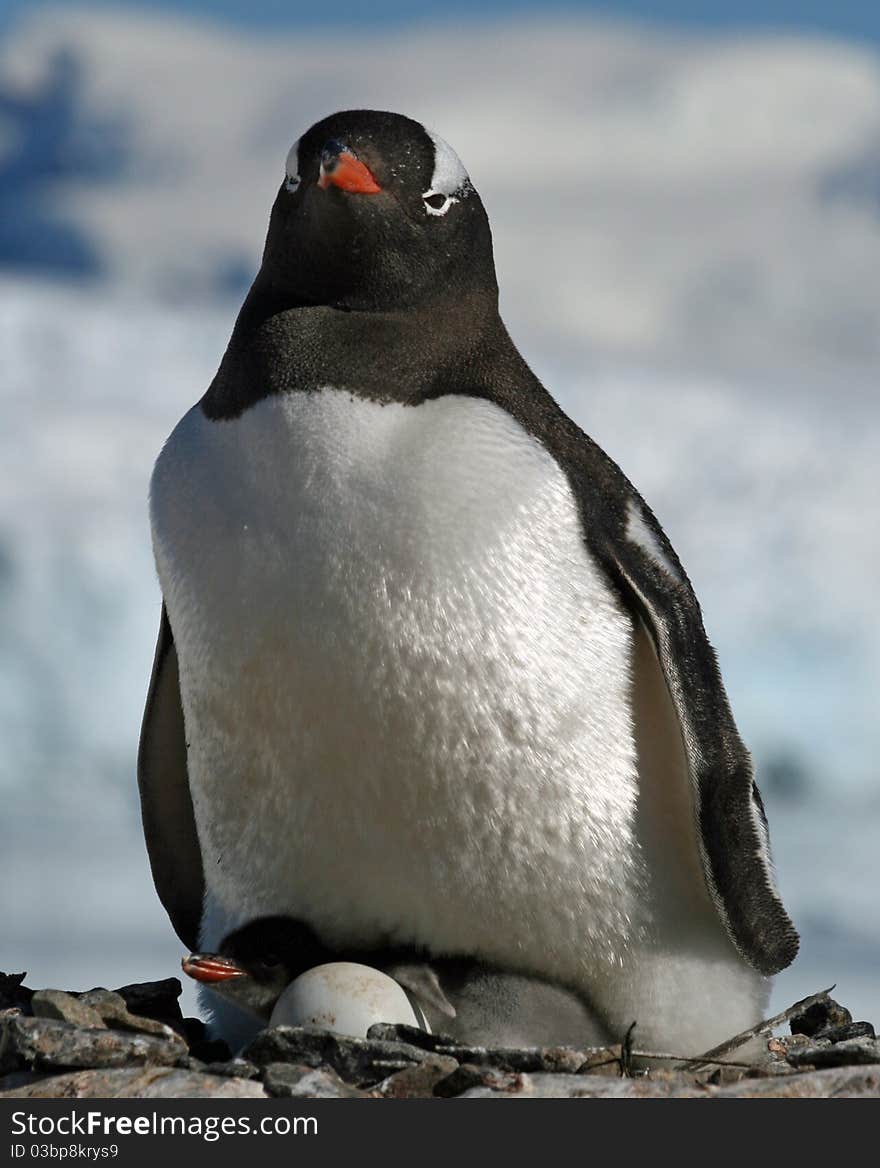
<point x="401" y="355"/>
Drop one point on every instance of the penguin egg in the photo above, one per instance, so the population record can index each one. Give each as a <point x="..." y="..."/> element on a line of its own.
<point x="346" y="998"/>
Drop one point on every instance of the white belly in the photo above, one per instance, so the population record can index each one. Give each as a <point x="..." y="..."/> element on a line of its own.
<point x="406" y="687"/>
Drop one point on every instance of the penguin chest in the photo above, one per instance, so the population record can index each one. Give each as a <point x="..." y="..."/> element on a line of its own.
<point x="405" y="684"/>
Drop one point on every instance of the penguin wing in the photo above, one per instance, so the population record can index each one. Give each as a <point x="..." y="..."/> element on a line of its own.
<point x="166" y="803"/>
<point x="732" y="828"/>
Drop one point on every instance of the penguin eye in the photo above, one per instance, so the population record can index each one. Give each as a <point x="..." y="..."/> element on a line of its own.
<point x="436" y="203"/>
<point x="266" y="967"/>
<point x="292" y="183"/>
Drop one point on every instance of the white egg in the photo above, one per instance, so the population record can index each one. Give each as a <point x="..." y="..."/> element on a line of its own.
<point x="345" y="998"/>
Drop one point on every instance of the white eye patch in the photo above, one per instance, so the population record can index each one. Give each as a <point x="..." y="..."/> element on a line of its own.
<point x="449" y="182"/>
<point x="291" y="167"/>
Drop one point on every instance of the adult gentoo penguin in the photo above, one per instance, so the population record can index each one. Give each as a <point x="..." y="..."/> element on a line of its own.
<point x="429" y="671"/>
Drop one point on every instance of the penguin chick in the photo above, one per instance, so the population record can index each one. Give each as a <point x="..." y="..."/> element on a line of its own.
<point x="466" y="999"/>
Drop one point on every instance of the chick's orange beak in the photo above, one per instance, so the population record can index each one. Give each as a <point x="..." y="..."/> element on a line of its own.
<point x="210" y="967"/>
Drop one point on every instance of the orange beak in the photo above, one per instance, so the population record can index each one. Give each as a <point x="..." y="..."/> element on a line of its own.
<point x="348" y="173"/>
<point x="209" y="967"/>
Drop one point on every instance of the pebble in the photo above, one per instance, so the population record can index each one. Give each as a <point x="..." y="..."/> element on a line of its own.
<point x="64" y="1007"/>
<point x="113" y="1011"/>
<point x="44" y="1044"/>
<point x="469" y="1077"/>
<point x="851" y="1053"/>
<point x="360" y="1061"/>
<point x="236" y="1068"/>
<point x="131" y="1083"/>
<point x="416" y="1080"/>
<point x="304" y="1082"/>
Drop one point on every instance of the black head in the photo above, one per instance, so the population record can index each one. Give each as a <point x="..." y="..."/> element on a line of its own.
<point x="256" y="963"/>
<point x="376" y="212"/>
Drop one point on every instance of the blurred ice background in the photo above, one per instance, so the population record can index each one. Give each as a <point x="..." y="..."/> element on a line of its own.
<point x="687" y="229"/>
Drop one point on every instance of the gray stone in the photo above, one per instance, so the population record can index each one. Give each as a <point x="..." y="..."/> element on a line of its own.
<point x="43" y="1044"/>
<point x="237" y="1068"/>
<point x="111" y="1008"/>
<point x="361" y="1061"/>
<point x="104" y="1002"/>
<point x="417" y="1081"/>
<point x="851" y="1030"/>
<point x="835" y="1083"/>
<point x="528" y="1059"/>
<point x="506" y="1058"/>
<point x="304" y="1082"/>
<point x="134" y="1083"/>
<point x="64" y="1007"/>
<point x="723" y="1076"/>
<point x="470" y="1077"/>
<point x="543" y="1086"/>
<point x="309" y="1083"/>
<point x="413" y="1035"/>
<point x="820" y="1016"/>
<point x="851" y="1053"/>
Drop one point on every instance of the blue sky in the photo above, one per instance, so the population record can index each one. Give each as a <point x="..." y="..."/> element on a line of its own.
<point x="858" y="19"/>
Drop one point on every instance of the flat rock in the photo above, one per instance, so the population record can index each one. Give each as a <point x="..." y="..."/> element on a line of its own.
<point x="44" y="1044"/>
<point x="836" y="1083"/>
<point x="833" y="1083"/>
<point x="63" y="1007"/>
<point x="470" y="1077"/>
<point x="545" y="1086"/>
<point x="288" y="1081"/>
<point x="527" y="1059"/>
<point x="417" y="1081"/>
<point x="236" y="1068"/>
<point x="113" y="1011"/>
<point x="412" y="1035"/>
<point x="853" y="1052"/>
<point x="360" y="1061"/>
<point x="850" y="1030"/>
<point x="560" y="1059"/>
<point x="135" y="1083"/>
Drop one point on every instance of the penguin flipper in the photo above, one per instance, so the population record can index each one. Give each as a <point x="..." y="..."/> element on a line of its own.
<point x="421" y="979"/>
<point x="166" y="804"/>
<point x="731" y="826"/>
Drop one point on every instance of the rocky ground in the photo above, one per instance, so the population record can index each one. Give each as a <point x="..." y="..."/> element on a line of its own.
<point x="134" y="1042"/>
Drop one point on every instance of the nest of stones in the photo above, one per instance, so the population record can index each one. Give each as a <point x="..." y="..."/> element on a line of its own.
<point x="134" y="1042"/>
